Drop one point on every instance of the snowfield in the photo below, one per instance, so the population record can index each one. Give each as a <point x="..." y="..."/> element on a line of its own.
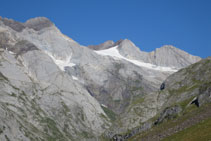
<point x="61" y="63"/>
<point x="113" y="52"/>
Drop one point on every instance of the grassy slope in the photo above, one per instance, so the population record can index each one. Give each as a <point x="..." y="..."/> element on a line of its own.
<point x="186" y="125"/>
<point x="193" y="119"/>
<point x="198" y="132"/>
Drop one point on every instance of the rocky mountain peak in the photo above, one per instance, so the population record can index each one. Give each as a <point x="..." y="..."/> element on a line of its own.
<point x="56" y="89"/>
<point x="165" y="56"/>
<point x="168" y="47"/>
<point x="105" y="45"/>
<point x="38" y="23"/>
<point x="128" y="49"/>
<point x="124" y="43"/>
<point x="169" y="55"/>
<point x="17" y="26"/>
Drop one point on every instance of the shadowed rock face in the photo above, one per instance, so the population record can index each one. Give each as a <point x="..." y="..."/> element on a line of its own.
<point x="4" y="39"/>
<point x="17" y="26"/>
<point x="102" y="46"/>
<point x="19" y="48"/>
<point x="22" y="47"/>
<point x="38" y="23"/>
<point x="35" y="23"/>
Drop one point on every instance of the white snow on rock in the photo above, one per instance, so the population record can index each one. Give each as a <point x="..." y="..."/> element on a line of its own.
<point x="61" y="63"/>
<point x="113" y="52"/>
<point x="11" y="52"/>
<point x="74" y="78"/>
<point x="104" y="105"/>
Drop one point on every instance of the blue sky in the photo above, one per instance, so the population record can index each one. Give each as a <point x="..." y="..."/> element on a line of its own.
<point x="150" y="24"/>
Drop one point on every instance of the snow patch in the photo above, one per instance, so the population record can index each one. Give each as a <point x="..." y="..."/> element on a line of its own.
<point x="74" y="78"/>
<point x="104" y="105"/>
<point x="10" y="52"/>
<point x="113" y="52"/>
<point x="61" y="63"/>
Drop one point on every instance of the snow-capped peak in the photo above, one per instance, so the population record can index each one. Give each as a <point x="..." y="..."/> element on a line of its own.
<point x="113" y="52"/>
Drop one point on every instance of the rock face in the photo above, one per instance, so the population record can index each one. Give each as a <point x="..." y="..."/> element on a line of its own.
<point x="38" y="23"/>
<point x="169" y="113"/>
<point x="105" y="45"/>
<point x="17" y="26"/>
<point x="52" y="88"/>
<point x="38" y="100"/>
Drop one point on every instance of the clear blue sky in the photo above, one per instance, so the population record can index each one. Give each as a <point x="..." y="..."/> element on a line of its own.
<point x="150" y="24"/>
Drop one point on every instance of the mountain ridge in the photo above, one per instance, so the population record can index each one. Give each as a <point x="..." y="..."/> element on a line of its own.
<point x="128" y="49"/>
<point x="56" y="89"/>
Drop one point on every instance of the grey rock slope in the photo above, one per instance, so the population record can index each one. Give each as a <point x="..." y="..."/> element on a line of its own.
<point x="38" y="100"/>
<point x="55" y="89"/>
<point x="110" y="80"/>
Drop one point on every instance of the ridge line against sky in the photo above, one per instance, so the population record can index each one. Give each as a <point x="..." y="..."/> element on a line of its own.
<point x="150" y="24"/>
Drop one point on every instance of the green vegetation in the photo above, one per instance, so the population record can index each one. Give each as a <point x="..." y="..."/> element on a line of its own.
<point x="198" y="132"/>
<point x="205" y="86"/>
<point x="1" y="131"/>
<point x="2" y="77"/>
<point x="7" y="139"/>
<point x="13" y="94"/>
<point x="86" y="135"/>
<point x="65" y="108"/>
<point x="185" y="103"/>
<point x="183" y="89"/>
<point x="117" y="101"/>
<point x="136" y="89"/>
<point x="189" y="112"/>
<point x="52" y="130"/>
<point x="137" y="101"/>
<point x="109" y="113"/>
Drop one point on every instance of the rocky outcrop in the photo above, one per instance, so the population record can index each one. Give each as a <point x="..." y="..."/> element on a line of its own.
<point x="169" y="113"/>
<point x="22" y="47"/>
<point x="17" y="26"/>
<point x="38" y="23"/>
<point x="105" y="45"/>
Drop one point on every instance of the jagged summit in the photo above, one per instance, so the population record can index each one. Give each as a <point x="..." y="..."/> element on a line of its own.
<point x="165" y="56"/>
<point x="17" y="26"/>
<point x="105" y="45"/>
<point x="38" y="23"/>
<point x="171" y="56"/>
<point x="168" y="46"/>
<point x="122" y="43"/>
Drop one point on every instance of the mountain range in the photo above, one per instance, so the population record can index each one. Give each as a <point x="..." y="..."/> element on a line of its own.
<point x="54" y="89"/>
